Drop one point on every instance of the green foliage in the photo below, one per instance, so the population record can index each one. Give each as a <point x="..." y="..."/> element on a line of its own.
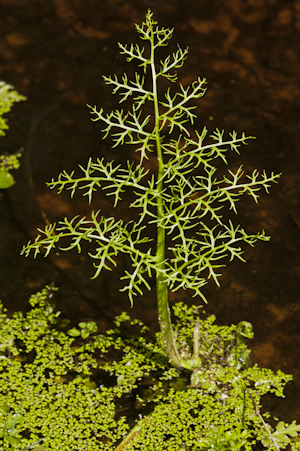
<point x="86" y="329"/>
<point x="8" y="96"/>
<point x="6" y="180"/>
<point x="221" y="440"/>
<point x="9" y="162"/>
<point x="282" y="434"/>
<point x="75" y="397"/>
<point x="8" y="430"/>
<point x="59" y="405"/>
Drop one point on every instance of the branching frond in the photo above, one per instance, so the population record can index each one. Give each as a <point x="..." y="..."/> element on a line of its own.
<point x="148" y="27"/>
<point x="130" y="88"/>
<point x="234" y="143"/>
<point x="175" y="62"/>
<point x="113" y="179"/>
<point x="127" y="122"/>
<point x="177" y="108"/>
<point x="234" y="189"/>
<point x="111" y="238"/>
<point x="193" y="198"/>
<point x="134" y="52"/>
<point x="201" y="255"/>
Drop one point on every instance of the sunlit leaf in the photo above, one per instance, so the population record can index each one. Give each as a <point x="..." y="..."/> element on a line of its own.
<point x="6" y="180"/>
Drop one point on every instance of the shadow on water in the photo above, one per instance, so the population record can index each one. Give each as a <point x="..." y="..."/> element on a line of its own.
<point x="56" y="52"/>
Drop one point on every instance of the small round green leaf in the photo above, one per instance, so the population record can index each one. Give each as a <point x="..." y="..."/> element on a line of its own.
<point x="73" y="332"/>
<point x="6" y="180"/>
<point x="85" y="333"/>
<point x="92" y="326"/>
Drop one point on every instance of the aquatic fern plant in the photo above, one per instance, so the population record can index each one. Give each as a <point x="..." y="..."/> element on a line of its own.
<point x="183" y="197"/>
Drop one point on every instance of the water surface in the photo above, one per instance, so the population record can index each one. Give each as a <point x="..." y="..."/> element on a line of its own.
<point x="55" y="53"/>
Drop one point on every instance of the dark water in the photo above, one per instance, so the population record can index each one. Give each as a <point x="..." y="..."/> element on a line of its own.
<point x="55" y="52"/>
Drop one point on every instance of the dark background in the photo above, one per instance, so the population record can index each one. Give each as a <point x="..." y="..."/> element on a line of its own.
<point x="55" y="52"/>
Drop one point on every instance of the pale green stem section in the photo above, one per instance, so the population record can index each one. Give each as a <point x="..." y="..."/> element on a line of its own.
<point x="196" y="341"/>
<point x="161" y="284"/>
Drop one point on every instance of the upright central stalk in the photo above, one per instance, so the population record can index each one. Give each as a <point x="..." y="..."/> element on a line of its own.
<point x="164" y="317"/>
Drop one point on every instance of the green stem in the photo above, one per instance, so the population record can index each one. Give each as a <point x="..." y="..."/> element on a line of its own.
<point x="164" y="317"/>
<point x="196" y="341"/>
<point x="263" y="421"/>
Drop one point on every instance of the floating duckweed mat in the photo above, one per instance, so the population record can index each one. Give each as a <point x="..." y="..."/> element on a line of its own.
<point x="71" y="392"/>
